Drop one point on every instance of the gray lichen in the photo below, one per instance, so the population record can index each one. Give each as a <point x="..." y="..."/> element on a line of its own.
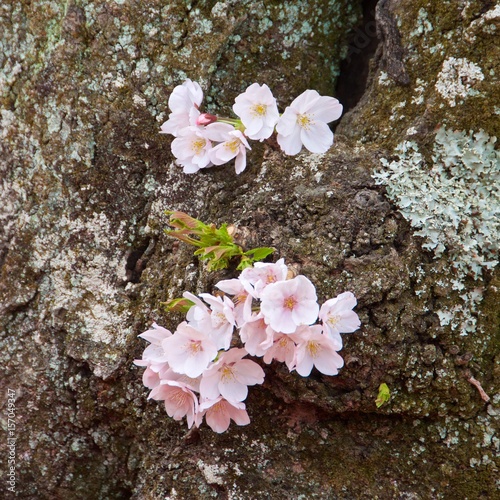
<point x="454" y="203"/>
<point x="85" y="178"/>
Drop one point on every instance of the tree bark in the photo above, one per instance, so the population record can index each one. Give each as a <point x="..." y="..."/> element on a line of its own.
<point x="85" y="264"/>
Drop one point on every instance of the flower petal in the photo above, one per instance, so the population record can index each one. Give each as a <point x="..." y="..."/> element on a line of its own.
<point x="326" y="109"/>
<point x="291" y="144"/>
<point x="317" y="138"/>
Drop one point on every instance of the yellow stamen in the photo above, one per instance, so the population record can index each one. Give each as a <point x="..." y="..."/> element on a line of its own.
<point x="198" y="145"/>
<point x="271" y="278"/>
<point x="283" y="342"/>
<point x="259" y="109"/>
<point x="227" y="374"/>
<point x="313" y="347"/>
<point x="333" y="320"/>
<point x="305" y="121"/>
<point x="289" y="303"/>
<point x="233" y="145"/>
<point x="195" y="347"/>
<point x="239" y="299"/>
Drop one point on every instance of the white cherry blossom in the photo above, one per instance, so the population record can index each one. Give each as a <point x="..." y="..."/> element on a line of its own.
<point x="258" y="111"/>
<point x="305" y="121"/>
<point x="184" y="102"/>
<point x="338" y="317"/>
<point x="235" y="146"/>
<point x="191" y="148"/>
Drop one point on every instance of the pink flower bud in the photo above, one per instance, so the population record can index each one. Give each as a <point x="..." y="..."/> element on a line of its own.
<point x="206" y="119"/>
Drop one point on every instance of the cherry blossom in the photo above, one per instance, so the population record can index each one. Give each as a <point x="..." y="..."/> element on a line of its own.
<point x="316" y="350"/>
<point x="184" y="102"/>
<point x="305" y="121"/>
<point x="154" y="355"/>
<point x="199" y="312"/>
<point x="150" y="378"/>
<point x="221" y="322"/>
<point x="189" y="351"/>
<point x="169" y="374"/>
<point x="258" y="111"/>
<point x="191" y="149"/>
<point x="282" y="350"/>
<point x="289" y="304"/>
<point x="230" y="376"/>
<point x="202" y="370"/>
<point x="217" y="322"/>
<point x="204" y="139"/>
<point x="338" y="317"/>
<point x="180" y="401"/>
<point x="256" y="335"/>
<point x="219" y="412"/>
<point x="235" y="146"/>
<point x="263" y="274"/>
<point x="241" y="298"/>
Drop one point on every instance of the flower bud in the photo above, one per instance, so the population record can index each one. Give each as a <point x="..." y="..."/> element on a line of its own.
<point x="206" y="119"/>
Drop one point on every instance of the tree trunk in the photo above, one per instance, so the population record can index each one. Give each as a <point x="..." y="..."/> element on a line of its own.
<point x="86" y="179"/>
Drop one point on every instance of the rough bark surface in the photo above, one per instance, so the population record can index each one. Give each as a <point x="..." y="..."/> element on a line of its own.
<point x="85" y="265"/>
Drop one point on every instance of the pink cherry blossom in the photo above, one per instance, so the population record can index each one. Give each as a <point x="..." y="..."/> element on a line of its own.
<point x="150" y="378"/>
<point x="199" y="312"/>
<point x="337" y="316"/>
<point x="304" y="122"/>
<point x="256" y="335"/>
<point x="219" y="413"/>
<point x="189" y="351"/>
<point x="289" y="304"/>
<point x="263" y="274"/>
<point x="180" y="401"/>
<point x="234" y="146"/>
<point x="257" y="110"/>
<point x="230" y="376"/>
<point x="217" y="321"/>
<point x="241" y="298"/>
<point x="183" y="102"/>
<point x="316" y="350"/>
<point x="282" y="350"/>
<point x="168" y="374"/>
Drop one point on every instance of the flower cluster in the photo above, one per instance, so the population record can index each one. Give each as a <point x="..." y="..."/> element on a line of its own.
<point x="203" y="140"/>
<point x="200" y="371"/>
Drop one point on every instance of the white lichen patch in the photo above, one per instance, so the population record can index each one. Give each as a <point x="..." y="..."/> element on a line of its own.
<point x="83" y="286"/>
<point x="212" y="473"/>
<point x="457" y="78"/>
<point x="423" y="25"/>
<point x="418" y="98"/>
<point x="454" y="205"/>
<point x="139" y="100"/>
<point x="384" y="79"/>
<point x="487" y="23"/>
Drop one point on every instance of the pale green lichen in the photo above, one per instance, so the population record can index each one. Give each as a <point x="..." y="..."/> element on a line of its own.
<point x="454" y="205"/>
<point x="457" y="78"/>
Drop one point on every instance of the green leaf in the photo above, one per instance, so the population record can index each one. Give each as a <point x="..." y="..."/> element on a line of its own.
<point x="178" y="305"/>
<point x="259" y="253"/>
<point x="215" y="245"/>
<point x="384" y="394"/>
<point x="244" y="263"/>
